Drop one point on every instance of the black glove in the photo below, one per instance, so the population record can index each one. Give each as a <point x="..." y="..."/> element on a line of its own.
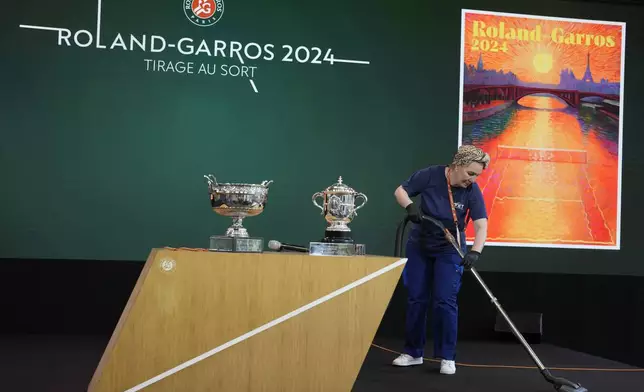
<point x="470" y="258"/>
<point x="413" y="213"/>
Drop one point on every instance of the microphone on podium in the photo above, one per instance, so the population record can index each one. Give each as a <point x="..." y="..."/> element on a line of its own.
<point x="280" y="246"/>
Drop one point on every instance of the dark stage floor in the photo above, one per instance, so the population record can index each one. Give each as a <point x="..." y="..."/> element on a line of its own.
<point x="483" y="367"/>
<point x="66" y="363"/>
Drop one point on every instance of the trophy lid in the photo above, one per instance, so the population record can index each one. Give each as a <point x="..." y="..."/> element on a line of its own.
<point x="339" y="187"/>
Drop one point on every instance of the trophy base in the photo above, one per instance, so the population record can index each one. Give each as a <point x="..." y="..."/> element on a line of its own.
<point x="220" y="243"/>
<point x="337" y="237"/>
<point x="336" y="249"/>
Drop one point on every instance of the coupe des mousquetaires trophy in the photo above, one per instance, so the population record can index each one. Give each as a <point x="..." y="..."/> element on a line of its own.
<point x="237" y="201"/>
<point x="339" y="209"/>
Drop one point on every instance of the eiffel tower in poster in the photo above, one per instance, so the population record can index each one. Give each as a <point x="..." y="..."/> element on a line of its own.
<point x="588" y="76"/>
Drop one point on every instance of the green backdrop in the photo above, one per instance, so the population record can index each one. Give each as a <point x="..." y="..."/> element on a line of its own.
<point x="103" y="159"/>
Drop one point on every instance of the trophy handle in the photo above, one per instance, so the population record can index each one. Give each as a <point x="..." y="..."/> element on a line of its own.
<point x="364" y="197"/>
<point x="211" y="179"/>
<point x="315" y="196"/>
<point x="267" y="183"/>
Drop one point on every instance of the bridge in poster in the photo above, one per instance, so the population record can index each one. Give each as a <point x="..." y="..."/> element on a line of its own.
<point x="514" y="92"/>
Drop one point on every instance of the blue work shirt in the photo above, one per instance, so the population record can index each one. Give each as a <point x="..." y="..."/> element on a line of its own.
<point x="431" y="184"/>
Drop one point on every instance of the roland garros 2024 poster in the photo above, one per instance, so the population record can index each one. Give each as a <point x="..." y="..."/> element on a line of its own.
<point x="544" y="97"/>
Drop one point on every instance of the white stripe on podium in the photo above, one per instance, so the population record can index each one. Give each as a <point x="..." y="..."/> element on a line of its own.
<point x="267" y="326"/>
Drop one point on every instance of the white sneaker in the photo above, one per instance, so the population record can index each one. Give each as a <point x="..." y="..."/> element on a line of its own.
<point x="448" y="367"/>
<point x="407" y="360"/>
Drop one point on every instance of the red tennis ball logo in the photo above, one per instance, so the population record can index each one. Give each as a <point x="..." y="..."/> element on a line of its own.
<point x="203" y="13"/>
<point x="204" y="9"/>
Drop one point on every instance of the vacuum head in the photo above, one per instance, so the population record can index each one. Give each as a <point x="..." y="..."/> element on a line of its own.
<point x="561" y="384"/>
<point x="566" y="388"/>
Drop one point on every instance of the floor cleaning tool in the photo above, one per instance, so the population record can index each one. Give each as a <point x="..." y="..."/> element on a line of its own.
<point x="560" y="384"/>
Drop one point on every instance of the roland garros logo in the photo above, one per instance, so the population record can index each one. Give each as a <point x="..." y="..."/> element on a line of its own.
<point x="203" y="13"/>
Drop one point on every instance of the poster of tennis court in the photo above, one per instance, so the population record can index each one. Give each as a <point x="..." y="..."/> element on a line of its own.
<point x="544" y="97"/>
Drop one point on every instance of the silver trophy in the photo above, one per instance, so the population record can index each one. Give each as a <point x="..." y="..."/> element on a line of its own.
<point x="237" y="201"/>
<point x="339" y="209"/>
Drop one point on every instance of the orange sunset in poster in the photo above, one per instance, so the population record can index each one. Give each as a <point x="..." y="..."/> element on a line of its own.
<point x="543" y="97"/>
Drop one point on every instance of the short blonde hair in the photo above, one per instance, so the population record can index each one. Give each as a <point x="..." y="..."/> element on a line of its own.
<point x="468" y="154"/>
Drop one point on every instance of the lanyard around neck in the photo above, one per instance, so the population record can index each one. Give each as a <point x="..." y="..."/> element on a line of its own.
<point x="451" y="203"/>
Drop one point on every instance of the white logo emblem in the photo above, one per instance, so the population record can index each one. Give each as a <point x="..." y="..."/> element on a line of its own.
<point x="168" y="264"/>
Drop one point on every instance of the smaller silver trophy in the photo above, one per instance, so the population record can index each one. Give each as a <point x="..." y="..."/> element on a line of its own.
<point x="237" y="201"/>
<point x="339" y="209"/>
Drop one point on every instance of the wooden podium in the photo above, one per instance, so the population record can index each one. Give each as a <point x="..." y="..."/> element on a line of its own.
<point x="206" y="321"/>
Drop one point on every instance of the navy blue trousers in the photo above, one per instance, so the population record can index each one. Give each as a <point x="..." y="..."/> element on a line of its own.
<point x="431" y="279"/>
